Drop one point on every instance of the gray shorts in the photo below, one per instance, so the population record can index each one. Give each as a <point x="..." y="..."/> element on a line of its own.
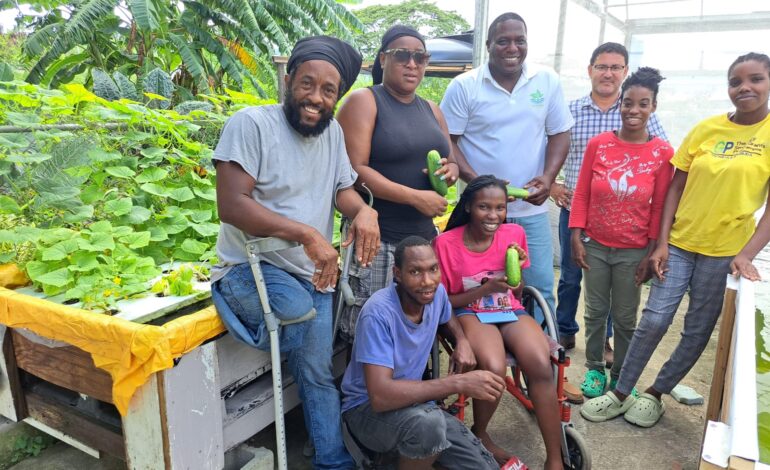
<point x="417" y="432"/>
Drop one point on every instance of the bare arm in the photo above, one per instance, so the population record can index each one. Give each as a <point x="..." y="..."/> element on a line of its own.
<point x="237" y="208"/>
<point x="466" y="172"/>
<point x="555" y="154"/>
<point x="363" y="228"/>
<point x="659" y="257"/>
<point x="387" y="394"/>
<point x="449" y="169"/>
<point x="462" y="359"/>
<point x="742" y="264"/>
<point x="357" y="117"/>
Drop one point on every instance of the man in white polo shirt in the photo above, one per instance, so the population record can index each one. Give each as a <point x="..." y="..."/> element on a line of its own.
<point x="510" y="119"/>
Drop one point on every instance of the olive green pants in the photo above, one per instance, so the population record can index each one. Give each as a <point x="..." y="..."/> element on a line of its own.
<point x="609" y="287"/>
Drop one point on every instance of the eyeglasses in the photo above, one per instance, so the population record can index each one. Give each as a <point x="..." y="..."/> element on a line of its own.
<point x="402" y="56"/>
<point x="613" y="68"/>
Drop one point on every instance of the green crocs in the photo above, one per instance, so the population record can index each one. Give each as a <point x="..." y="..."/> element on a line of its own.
<point x="646" y="411"/>
<point x="594" y="383"/>
<point x="614" y="383"/>
<point x="605" y="407"/>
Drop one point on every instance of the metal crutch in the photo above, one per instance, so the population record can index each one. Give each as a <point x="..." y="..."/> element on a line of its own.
<point x="254" y="248"/>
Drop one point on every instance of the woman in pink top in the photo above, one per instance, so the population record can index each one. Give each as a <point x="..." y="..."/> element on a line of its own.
<point x="615" y="219"/>
<point x="471" y="254"/>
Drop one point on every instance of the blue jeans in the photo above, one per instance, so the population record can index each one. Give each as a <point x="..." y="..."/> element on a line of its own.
<point x="568" y="291"/>
<point x="539" y="274"/>
<point x="308" y="347"/>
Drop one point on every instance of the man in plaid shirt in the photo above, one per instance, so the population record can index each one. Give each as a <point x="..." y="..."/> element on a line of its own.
<point x="597" y="112"/>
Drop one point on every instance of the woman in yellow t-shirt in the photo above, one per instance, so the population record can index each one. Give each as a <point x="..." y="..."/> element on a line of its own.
<point x="707" y="231"/>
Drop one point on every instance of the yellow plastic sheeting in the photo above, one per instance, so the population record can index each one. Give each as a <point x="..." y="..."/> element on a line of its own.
<point x="12" y="277"/>
<point x="129" y="352"/>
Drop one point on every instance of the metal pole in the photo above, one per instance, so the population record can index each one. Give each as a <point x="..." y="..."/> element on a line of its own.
<point x="560" y="36"/>
<point x="480" y="21"/>
<point x="603" y="24"/>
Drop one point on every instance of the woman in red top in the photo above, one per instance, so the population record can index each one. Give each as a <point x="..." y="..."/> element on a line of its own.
<point x="471" y="254"/>
<point x="615" y="219"/>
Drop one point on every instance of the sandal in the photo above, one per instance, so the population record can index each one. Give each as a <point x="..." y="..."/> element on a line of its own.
<point x="646" y="411"/>
<point x="594" y="383"/>
<point x="614" y="383"/>
<point x="605" y="407"/>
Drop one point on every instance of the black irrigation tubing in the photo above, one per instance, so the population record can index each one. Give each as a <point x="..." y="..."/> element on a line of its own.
<point x="78" y="127"/>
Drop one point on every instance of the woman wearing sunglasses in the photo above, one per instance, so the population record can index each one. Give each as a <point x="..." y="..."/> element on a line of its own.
<point x="388" y="132"/>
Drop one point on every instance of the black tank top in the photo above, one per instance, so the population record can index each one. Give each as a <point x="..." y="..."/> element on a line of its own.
<point x="403" y="136"/>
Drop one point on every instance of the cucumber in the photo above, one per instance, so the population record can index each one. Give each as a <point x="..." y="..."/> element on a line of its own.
<point x="512" y="267"/>
<point x="434" y="163"/>
<point x="518" y="193"/>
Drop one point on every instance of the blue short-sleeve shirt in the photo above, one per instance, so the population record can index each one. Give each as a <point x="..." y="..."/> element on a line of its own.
<point x="385" y="337"/>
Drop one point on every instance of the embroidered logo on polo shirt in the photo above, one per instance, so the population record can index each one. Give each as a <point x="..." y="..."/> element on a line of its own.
<point x="537" y="98"/>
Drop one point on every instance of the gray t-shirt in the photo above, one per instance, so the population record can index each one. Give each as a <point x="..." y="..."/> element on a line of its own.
<point x="296" y="177"/>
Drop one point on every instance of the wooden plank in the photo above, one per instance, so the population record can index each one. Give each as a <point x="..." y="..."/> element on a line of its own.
<point x="738" y="463"/>
<point x="68" y="367"/>
<point x="722" y="356"/>
<point x="193" y="411"/>
<point x="142" y="429"/>
<point x="75" y="424"/>
<point x="12" y="403"/>
<point x="239" y="364"/>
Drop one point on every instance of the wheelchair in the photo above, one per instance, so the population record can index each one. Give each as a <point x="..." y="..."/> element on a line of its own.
<point x="575" y="453"/>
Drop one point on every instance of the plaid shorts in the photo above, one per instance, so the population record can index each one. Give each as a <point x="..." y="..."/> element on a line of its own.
<point x="365" y="281"/>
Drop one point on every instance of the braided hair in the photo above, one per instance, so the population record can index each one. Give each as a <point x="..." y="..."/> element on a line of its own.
<point x="646" y="77"/>
<point x="461" y="213"/>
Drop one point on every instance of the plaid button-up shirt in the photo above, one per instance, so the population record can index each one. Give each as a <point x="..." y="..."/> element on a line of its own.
<point x="591" y="121"/>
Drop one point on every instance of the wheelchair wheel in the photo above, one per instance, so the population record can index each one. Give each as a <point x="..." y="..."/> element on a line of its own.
<point x="579" y="456"/>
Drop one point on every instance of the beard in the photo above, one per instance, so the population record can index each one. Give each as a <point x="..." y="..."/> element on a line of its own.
<point x="291" y="109"/>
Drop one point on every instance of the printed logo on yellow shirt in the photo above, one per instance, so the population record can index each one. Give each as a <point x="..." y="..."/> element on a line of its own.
<point x="729" y="149"/>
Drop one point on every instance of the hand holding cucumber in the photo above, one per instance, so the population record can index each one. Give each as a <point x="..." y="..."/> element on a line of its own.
<point x="539" y="189"/>
<point x="440" y="173"/>
<point x="429" y="203"/>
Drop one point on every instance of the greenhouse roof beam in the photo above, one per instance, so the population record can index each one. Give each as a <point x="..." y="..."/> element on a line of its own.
<point x="699" y="24"/>
<point x="597" y="10"/>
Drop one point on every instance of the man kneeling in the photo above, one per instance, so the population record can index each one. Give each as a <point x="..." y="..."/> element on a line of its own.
<point x="386" y="405"/>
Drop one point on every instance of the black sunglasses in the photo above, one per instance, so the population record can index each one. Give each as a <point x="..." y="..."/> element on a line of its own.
<point x="402" y="56"/>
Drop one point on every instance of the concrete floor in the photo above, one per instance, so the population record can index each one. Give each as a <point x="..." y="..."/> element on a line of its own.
<point x="674" y="443"/>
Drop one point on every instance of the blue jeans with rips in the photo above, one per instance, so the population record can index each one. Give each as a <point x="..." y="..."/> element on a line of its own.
<point x="308" y="346"/>
<point x="568" y="291"/>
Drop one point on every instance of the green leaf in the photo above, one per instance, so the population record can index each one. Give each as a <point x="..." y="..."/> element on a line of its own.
<point x="79" y="214"/>
<point x="138" y="215"/>
<point x="54" y="235"/>
<point x="98" y="242"/>
<point x="122" y="231"/>
<point x="28" y="158"/>
<point x="156" y="189"/>
<point x="22" y="119"/>
<point x="103" y="86"/>
<point x="201" y="215"/>
<point x="194" y="246"/>
<point x="99" y="155"/>
<point x="151" y="175"/>
<point x="120" y="171"/>
<point x="8" y="206"/>
<point x="84" y="261"/>
<point x="60" y="250"/>
<point x="206" y="229"/>
<point x="59" y="278"/>
<point x="6" y="72"/>
<point x="175" y="224"/>
<point x="210" y="194"/>
<point x="102" y="226"/>
<point x="181" y="194"/>
<point x="136" y="239"/>
<point x="119" y="207"/>
<point x="35" y="269"/>
<point x="158" y="234"/>
<point x="91" y="194"/>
